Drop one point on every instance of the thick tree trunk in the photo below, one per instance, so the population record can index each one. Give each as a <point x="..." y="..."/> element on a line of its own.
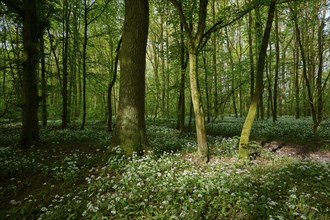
<point x="130" y="130"/>
<point x="247" y="126"/>
<point x="30" y="131"/>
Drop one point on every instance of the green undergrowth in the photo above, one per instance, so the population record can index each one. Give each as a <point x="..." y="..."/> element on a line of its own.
<point x="68" y="178"/>
<point x="285" y="129"/>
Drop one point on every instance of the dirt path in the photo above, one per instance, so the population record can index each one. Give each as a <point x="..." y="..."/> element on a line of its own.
<point x="304" y="152"/>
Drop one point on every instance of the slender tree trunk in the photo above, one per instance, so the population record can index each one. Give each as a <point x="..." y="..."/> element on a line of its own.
<point x="66" y="17"/>
<point x="319" y="86"/>
<point x="111" y="85"/>
<point x="251" y="56"/>
<point x="305" y="72"/>
<point x="30" y="130"/>
<point x="84" y="64"/>
<point x="296" y="82"/>
<point x="43" y="83"/>
<point x="277" y="66"/>
<point x="214" y="64"/>
<point x="207" y="89"/>
<point x="130" y="130"/>
<point x="247" y="126"/>
<point x="162" y="66"/>
<point x="181" y="102"/>
<point x="270" y="94"/>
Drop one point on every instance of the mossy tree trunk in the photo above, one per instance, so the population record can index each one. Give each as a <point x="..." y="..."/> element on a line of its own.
<point x="247" y="126"/>
<point x="203" y="150"/>
<point x="130" y="130"/>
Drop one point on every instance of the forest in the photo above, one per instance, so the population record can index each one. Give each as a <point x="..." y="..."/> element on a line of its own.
<point x="164" y="109"/>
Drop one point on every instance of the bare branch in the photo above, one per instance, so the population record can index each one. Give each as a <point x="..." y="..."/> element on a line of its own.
<point x="96" y="17"/>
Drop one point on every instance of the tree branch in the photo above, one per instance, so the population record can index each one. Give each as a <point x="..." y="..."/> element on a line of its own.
<point x="96" y="17"/>
<point x="183" y="19"/>
<point x="15" y="5"/>
<point x="201" y="21"/>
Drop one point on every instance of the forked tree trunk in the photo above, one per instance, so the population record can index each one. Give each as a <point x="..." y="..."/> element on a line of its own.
<point x="194" y="41"/>
<point x="247" y="126"/>
<point x="130" y="130"/>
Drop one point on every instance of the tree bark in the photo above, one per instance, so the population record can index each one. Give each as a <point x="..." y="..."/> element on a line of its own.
<point x="30" y="131"/>
<point x="197" y="106"/>
<point x="130" y="130"/>
<point x="247" y="126"/>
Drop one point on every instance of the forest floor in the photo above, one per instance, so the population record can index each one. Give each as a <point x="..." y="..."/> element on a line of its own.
<point x="298" y="150"/>
<point x="75" y="175"/>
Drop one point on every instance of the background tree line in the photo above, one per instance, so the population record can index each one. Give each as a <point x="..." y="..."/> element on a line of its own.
<point x="59" y="61"/>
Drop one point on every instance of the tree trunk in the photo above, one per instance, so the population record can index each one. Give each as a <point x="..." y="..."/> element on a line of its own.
<point x="84" y="64"/>
<point x="305" y="73"/>
<point x="130" y="130"/>
<point x="247" y="126"/>
<point x="214" y="64"/>
<point x="251" y="56"/>
<point x="30" y="131"/>
<point x="197" y="106"/>
<point x="66" y="17"/>
<point x="320" y="41"/>
<point x="207" y="94"/>
<point x="277" y="66"/>
<point x="194" y="41"/>
<point x="43" y="83"/>
<point x="296" y="81"/>
<point x="181" y="102"/>
<point x="111" y="85"/>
